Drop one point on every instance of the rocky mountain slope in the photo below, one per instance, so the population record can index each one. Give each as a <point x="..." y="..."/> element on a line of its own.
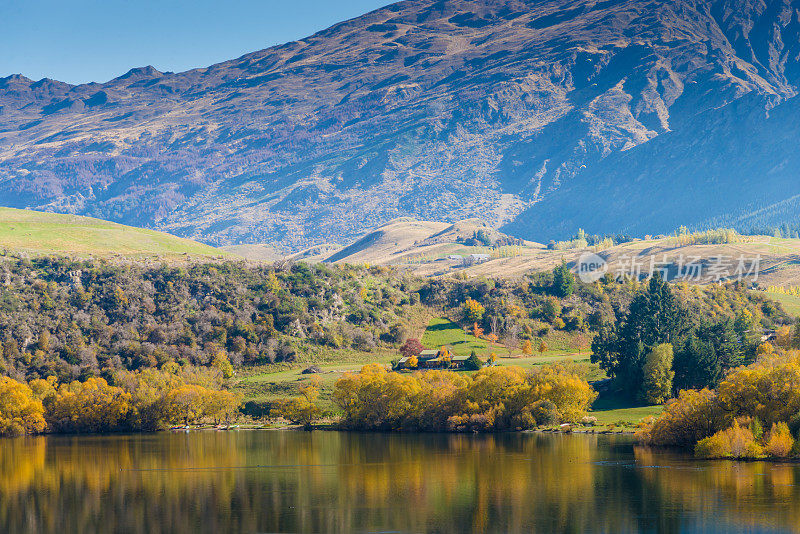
<point x="538" y="116"/>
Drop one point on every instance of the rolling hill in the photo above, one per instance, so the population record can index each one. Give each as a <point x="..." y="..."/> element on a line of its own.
<point x="48" y="233"/>
<point x="434" y="249"/>
<point x="539" y="116"/>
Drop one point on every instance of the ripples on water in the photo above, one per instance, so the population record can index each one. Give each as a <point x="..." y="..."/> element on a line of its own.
<point x="284" y="481"/>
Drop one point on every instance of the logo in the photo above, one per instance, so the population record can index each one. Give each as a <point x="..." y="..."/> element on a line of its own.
<point x="591" y="267"/>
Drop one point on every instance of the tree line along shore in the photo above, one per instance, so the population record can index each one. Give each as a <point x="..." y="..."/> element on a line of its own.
<point x="157" y="345"/>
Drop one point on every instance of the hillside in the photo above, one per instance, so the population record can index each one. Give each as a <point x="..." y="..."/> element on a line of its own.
<point x="434" y="249"/>
<point x="539" y="116"/>
<point x="48" y="233"/>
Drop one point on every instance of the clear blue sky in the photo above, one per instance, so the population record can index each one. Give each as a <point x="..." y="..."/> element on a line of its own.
<point x="79" y="41"/>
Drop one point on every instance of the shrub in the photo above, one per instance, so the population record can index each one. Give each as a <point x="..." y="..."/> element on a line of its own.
<point x="546" y="413"/>
<point x="693" y="416"/>
<point x="779" y="441"/>
<point x="734" y="442"/>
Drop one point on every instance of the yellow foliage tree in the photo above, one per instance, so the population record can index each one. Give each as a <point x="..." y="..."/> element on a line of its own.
<point x="91" y="406"/>
<point x="783" y="337"/>
<point x="223" y="364"/>
<point x="303" y="410"/>
<point x="765" y="349"/>
<point x="21" y="412"/>
<point x="413" y="362"/>
<point x="768" y="389"/>
<point x="693" y="416"/>
<point x="527" y="347"/>
<point x="492" y="399"/>
<point x="473" y="310"/>
<point x="273" y="284"/>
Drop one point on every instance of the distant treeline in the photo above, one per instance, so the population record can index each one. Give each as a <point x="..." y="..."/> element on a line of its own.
<point x="584" y="240"/>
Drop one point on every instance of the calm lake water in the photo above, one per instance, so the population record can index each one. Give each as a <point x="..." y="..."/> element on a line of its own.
<point x="285" y="481"/>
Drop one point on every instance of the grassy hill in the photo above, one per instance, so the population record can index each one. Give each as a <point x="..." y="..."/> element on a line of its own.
<point x="47" y="233"/>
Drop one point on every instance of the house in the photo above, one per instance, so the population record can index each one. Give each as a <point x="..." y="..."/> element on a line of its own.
<point x="433" y="359"/>
<point x="474" y="259"/>
<point x="458" y="362"/>
<point x="455" y="257"/>
<point x="424" y="359"/>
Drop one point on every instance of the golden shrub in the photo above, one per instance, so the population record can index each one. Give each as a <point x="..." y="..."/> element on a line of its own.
<point x="779" y="441"/>
<point x="734" y="442"/>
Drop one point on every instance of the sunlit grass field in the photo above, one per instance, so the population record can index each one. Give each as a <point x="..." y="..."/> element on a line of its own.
<point x="50" y="233"/>
<point x="790" y="303"/>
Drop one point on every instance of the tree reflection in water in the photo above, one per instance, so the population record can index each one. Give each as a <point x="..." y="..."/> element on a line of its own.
<point x="282" y="481"/>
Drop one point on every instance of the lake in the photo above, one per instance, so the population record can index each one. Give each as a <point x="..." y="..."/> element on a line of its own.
<point x="287" y="481"/>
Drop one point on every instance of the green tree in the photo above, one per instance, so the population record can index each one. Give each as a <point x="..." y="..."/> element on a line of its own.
<point x="473" y="363"/>
<point x="657" y="375"/>
<point x="563" y="280"/>
<point x="696" y="364"/>
<point x="551" y="309"/>
<point x="654" y="318"/>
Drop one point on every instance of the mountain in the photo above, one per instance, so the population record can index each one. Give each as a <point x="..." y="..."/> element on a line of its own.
<point x="49" y="233"/>
<point x="537" y="116"/>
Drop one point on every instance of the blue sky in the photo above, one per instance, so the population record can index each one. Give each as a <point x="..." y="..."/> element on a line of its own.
<point x="79" y="41"/>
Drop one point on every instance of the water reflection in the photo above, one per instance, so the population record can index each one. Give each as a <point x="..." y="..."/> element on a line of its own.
<point x="277" y="481"/>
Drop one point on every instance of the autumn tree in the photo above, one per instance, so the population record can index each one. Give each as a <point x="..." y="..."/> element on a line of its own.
<point x="477" y="331"/>
<point x="303" y="409"/>
<point x="527" y="347"/>
<point x="21" y="412"/>
<point x="91" y="406"/>
<point x="185" y="404"/>
<point x="412" y="347"/>
<point x="444" y="354"/>
<point x="473" y="311"/>
<point x="223" y="364"/>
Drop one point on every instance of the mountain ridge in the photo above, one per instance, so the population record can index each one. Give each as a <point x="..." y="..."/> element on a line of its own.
<point x="514" y="111"/>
